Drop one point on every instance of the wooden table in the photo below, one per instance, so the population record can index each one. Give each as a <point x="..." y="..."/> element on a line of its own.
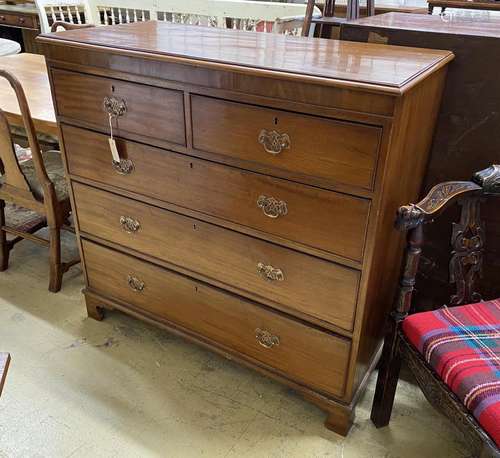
<point x="20" y="23"/>
<point x="4" y="366"/>
<point x="32" y="72"/>
<point x="385" y="6"/>
<point x="492" y="5"/>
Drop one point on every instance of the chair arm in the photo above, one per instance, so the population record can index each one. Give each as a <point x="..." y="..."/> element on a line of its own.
<point x="439" y="198"/>
<point x="68" y="26"/>
<point x="411" y="218"/>
<point x="443" y="195"/>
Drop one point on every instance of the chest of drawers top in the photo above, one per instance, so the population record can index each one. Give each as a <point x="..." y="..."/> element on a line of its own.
<point x="387" y="69"/>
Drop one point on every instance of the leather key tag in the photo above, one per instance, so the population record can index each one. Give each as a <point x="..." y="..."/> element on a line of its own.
<point x="114" y="150"/>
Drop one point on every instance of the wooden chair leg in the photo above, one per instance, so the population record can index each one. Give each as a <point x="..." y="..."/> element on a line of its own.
<point x="387" y="380"/>
<point x="4" y="247"/>
<point x="306" y="27"/>
<point x="370" y="7"/>
<point x="56" y="268"/>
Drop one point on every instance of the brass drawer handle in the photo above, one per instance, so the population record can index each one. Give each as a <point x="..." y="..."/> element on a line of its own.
<point x="123" y="166"/>
<point x="114" y="107"/>
<point x="135" y="284"/>
<point x="269" y="272"/>
<point x="129" y="224"/>
<point x="273" y="141"/>
<point x="266" y="339"/>
<point x="272" y="207"/>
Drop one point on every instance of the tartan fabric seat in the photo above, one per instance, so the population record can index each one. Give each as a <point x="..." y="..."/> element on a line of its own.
<point x="462" y="344"/>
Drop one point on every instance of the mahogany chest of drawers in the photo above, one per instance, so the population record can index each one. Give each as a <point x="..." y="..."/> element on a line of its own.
<point x="250" y="207"/>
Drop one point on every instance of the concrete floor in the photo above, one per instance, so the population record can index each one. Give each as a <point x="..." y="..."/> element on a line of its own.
<point x="121" y="388"/>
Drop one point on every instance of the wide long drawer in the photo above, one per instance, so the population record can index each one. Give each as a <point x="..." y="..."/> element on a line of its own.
<point x="311" y="356"/>
<point x="136" y="108"/>
<point x="313" y="217"/>
<point x="310" y="148"/>
<point x="311" y="286"/>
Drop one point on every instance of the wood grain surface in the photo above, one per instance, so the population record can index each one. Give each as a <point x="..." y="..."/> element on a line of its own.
<point x="310" y="355"/>
<point x="31" y="71"/>
<point x="325" y="220"/>
<point x="223" y="255"/>
<point x="334" y="151"/>
<point x="453" y="25"/>
<point x="324" y="59"/>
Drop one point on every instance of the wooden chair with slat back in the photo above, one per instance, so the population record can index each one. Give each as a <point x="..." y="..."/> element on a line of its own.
<point x="328" y="19"/>
<point x="111" y="12"/>
<point x="255" y="16"/>
<point x="74" y="12"/>
<point x="38" y="184"/>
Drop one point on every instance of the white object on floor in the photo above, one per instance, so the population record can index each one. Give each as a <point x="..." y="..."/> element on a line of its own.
<point x="9" y="47"/>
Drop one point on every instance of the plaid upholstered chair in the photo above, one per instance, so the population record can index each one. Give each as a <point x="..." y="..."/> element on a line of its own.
<point x="454" y="351"/>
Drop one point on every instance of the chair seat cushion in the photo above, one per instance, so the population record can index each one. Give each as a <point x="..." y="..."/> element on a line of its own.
<point x="55" y="171"/>
<point x="462" y="344"/>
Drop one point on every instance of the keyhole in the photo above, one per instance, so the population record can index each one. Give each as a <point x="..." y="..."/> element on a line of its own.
<point x="275" y="121"/>
<point x="112" y="89"/>
<point x="194" y="226"/>
<point x="191" y="165"/>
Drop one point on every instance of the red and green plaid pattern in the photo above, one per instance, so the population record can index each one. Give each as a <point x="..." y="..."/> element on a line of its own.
<point x="462" y="344"/>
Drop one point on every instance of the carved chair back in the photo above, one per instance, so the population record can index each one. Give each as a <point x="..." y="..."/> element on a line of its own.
<point x="14" y="182"/>
<point x="71" y="11"/>
<point x="467" y="240"/>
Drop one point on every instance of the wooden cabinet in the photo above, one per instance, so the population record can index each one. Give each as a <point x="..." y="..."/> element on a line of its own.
<point x="20" y="22"/>
<point x="252" y="206"/>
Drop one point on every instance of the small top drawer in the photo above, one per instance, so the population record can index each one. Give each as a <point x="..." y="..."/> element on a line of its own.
<point x="307" y="148"/>
<point x="18" y="20"/>
<point x="137" y="109"/>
